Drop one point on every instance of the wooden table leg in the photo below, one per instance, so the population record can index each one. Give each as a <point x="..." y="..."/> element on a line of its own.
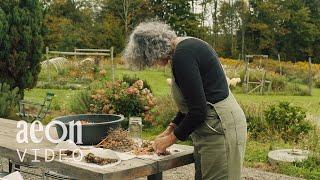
<point x="13" y="167"/>
<point x="17" y="167"/>
<point x="157" y="176"/>
<point x="10" y="166"/>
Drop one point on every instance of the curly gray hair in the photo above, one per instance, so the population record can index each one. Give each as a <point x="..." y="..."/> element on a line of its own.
<point x="148" y="43"/>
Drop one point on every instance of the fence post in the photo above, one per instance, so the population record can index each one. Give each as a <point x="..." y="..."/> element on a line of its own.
<point x="113" y="70"/>
<point x="47" y="57"/>
<point x="263" y="82"/>
<point x="47" y="52"/>
<point x="245" y="79"/>
<point x="310" y="77"/>
<point x="280" y="64"/>
<point x="75" y="56"/>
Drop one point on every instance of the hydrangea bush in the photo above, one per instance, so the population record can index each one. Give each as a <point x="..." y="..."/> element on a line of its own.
<point x="121" y="98"/>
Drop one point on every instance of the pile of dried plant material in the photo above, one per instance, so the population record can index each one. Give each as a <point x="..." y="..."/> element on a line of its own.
<point x="117" y="140"/>
<point x="91" y="158"/>
<point x="147" y="149"/>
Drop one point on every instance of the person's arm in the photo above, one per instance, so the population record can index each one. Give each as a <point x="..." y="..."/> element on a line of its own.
<point x="187" y="75"/>
<point x="172" y="125"/>
<point x="178" y="118"/>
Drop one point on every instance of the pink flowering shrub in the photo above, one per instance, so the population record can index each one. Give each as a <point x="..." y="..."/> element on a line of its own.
<point x="121" y="98"/>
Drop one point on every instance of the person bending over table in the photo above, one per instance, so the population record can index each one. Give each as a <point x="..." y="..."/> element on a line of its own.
<point x="208" y="112"/>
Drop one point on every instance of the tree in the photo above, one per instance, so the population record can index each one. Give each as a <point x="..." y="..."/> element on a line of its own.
<point x="228" y="23"/>
<point x="284" y="27"/>
<point x="109" y="32"/>
<point x="69" y="24"/>
<point x="314" y="7"/>
<point x="128" y="12"/>
<point x="215" y="26"/>
<point x="301" y="32"/>
<point x="20" y="42"/>
<point x="262" y="26"/>
<point x="178" y="14"/>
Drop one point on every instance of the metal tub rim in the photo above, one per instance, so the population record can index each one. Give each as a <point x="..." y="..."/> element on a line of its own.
<point x="121" y="118"/>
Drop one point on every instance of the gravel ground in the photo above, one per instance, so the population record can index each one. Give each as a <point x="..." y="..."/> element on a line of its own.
<point x="185" y="173"/>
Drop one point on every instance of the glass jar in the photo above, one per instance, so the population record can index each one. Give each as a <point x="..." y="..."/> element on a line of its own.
<point x="135" y="129"/>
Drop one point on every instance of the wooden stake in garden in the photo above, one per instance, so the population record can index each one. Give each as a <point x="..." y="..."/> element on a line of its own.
<point x="113" y="70"/>
<point x="75" y="56"/>
<point x="263" y="80"/>
<point x="245" y="81"/>
<point x="310" y="77"/>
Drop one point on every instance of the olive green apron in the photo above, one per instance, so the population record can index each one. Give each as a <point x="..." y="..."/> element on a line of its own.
<point x="220" y="141"/>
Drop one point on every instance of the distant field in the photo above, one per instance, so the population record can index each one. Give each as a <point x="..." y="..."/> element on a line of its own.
<point x="157" y="81"/>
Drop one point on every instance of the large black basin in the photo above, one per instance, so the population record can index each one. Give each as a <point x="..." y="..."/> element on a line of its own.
<point x="93" y="132"/>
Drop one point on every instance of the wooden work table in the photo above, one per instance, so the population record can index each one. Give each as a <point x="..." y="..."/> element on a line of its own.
<point x="129" y="169"/>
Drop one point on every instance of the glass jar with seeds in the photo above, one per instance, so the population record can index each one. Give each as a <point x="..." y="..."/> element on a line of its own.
<point x="135" y="129"/>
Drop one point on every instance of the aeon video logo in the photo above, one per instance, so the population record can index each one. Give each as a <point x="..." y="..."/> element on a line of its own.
<point x="34" y="133"/>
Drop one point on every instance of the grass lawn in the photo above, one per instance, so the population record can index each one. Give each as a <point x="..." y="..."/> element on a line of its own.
<point x="157" y="80"/>
<point x="62" y="97"/>
<point x="310" y="103"/>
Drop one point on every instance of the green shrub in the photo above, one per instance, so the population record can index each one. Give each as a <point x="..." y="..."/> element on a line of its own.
<point x="80" y="103"/>
<point x="117" y="98"/>
<point x="258" y="128"/>
<point x="278" y="82"/>
<point x="128" y="105"/>
<point x="8" y="99"/>
<point x="296" y="90"/>
<point x="287" y="120"/>
<point x="168" y="110"/>
<point x="125" y="99"/>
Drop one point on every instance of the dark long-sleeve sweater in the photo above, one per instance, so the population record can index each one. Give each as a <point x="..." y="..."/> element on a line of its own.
<point x="200" y="77"/>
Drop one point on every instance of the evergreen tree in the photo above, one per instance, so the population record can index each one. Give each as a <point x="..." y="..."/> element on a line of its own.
<point x="20" y="42"/>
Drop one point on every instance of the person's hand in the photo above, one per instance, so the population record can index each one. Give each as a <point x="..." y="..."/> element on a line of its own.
<point x="162" y="143"/>
<point x="166" y="132"/>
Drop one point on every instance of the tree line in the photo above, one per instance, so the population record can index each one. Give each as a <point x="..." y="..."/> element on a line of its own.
<point x="233" y="27"/>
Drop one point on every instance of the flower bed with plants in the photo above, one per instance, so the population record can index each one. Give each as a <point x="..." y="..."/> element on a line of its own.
<point x="120" y="97"/>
